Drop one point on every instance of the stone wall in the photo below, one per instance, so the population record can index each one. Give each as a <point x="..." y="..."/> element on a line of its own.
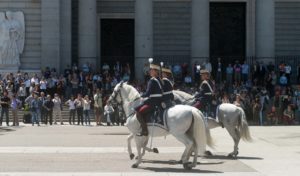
<point x="172" y="30"/>
<point x="287" y="28"/>
<point x="115" y="6"/>
<point x="30" y="59"/>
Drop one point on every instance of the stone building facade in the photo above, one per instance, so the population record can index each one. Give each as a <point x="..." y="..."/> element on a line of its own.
<point x="63" y="32"/>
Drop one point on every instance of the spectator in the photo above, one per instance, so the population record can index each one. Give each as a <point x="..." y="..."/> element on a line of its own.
<point x="219" y="72"/>
<point x="245" y="72"/>
<point x="98" y="107"/>
<point x="229" y="74"/>
<point x="288" y="115"/>
<point x="15" y="104"/>
<point x="43" y="110"/>
<point x="43" y="85"/>
<point x="237" y="72"/>
<point x="238" y="101"/>
<point x="57" y="108"/>
<point x="86" y="110"/>
<point x="79" y="109"/>
<point x="35" y="109"/>
<point x="277" y="105"/>
<point x="288" y="72"/>
<point x="5" y="102"/>
<point x="283" y="80"/>
<point x="256" y="109"/>
<point x="74" y="83"/>
<point x="72" y="110"/>
<point x="188" y="80"/>
<point x="22" y="93"/>
<point x="48" y="105"/>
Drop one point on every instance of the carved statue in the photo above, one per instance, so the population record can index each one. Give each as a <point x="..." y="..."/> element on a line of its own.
<point x="12" y="37"/>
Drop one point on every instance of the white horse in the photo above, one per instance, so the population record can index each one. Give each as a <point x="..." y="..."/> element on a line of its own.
<point x="229" y="116"/>
<point x="185" y="123"/>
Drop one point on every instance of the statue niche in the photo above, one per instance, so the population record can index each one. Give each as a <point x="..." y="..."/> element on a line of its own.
<point x="12" y="38"/>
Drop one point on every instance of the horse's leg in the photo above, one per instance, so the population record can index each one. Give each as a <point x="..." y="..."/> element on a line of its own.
<point x="188" y="142"/>
<point x="129" y="139"/>
<point x="140" y="143"/>
<point x="235" y="134"/>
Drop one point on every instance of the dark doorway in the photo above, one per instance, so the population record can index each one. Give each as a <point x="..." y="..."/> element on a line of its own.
<point x="117" y="41"/>
<point x="227" y="32"/>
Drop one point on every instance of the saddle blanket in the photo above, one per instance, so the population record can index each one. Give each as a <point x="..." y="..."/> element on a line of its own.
<point x="158" y="119"/>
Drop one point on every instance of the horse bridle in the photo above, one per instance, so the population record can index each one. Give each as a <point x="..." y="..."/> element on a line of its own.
<point x="113" y="97"/>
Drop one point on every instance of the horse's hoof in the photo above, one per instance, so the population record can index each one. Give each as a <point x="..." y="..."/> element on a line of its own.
<point x="155" y="150"/>
<point x="131" y="156"/>
<point x="187" y="166"/>
<point x="180" y="162"/>
<point x="134" y="166"/>
<point x="231" y="155"/>
<point x="208" y="153"/>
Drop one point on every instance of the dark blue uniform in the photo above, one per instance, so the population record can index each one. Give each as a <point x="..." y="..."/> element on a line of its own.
<point x="154" y="95"/>
<point x="168" y="96"/>
<point x="154" y="92"/>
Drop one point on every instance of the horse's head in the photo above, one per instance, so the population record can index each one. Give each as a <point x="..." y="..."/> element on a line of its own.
<point x="124" y="93"/>
<point x="116" y="97"/>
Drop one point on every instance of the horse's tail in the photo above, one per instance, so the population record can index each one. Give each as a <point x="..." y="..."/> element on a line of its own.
<point x="201" y="133"/>
<point x="243" y="125"/>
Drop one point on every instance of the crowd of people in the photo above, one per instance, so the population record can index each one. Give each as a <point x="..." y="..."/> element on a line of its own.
<point x="265" y="92"/>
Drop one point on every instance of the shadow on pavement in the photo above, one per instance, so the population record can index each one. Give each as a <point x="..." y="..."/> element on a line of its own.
<point x="173" y="162"/>
<point x="178" y="170"/>
<point x="6" y="129"/>
<point x="230" y="158"/>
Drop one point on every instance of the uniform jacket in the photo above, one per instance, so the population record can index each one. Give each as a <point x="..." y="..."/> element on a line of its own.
<point x="167" y="90"/>
<point x="154" y="92"/>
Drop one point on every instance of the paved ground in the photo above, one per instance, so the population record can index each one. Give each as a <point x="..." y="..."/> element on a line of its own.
<point x="77" y="150"/>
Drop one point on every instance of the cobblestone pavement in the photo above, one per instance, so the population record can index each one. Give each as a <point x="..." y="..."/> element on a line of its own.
<point x="90" y="150"/>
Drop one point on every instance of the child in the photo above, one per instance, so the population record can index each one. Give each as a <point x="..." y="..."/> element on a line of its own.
<point x="108" y="110"/>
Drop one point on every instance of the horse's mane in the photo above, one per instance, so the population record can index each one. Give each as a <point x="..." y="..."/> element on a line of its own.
<point x="183" y="95"/>
<point x="133" y="94"/>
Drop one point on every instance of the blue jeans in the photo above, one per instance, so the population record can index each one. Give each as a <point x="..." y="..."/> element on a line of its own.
<point x="34" y="117"/>
<point x="87" y="116"/>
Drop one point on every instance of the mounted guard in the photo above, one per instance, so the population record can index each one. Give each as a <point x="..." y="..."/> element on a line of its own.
<point x="205" y="93"/>
<point x="168" y="97"/>
<point x="152" y="98"/>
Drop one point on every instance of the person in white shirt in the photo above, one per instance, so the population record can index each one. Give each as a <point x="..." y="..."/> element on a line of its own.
<point x="72" y="109"/>
<point x="57" y="108"/>
<point x="35" y="79"/>
<point x="86" y="109"/>
<point x="43" y="85"/>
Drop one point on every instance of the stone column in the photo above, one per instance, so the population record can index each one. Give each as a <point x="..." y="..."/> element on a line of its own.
<point x="50" y="34"/>
<point x="265" y="29"/>
<point x="200" y="31"/>
<point x="87" y="32"/>
<point x="143" y="35"/>
<point x="66" y="34"/>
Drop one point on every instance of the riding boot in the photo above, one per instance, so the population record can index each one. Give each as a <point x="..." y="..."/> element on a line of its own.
<point x="143" y="125"/>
